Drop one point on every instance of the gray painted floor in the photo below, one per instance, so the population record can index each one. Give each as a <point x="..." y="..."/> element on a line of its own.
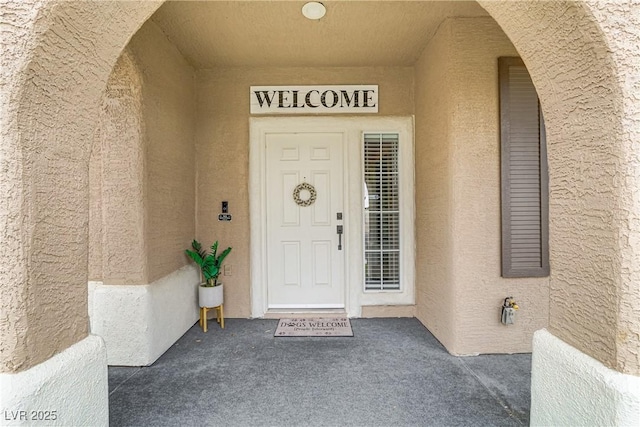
<point x="393" y="372"/>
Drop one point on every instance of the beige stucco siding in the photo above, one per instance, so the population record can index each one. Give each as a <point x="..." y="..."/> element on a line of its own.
<point x="624" y="40"/>
<point x="168" y="93"/>
<point x="117" y="254"/>
<point x="460" y="288"/>
<point x="142" y="170"/>
<point x="94" y="268"/>
<point x="56" y="59"/>
<point x="223" y="150"/>
<point x="588" y="88"/>
<point x="433" y="170"/>
<point x="583" y="58"/>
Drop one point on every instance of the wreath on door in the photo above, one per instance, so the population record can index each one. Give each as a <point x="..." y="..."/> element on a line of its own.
<point x="312" y="194"/>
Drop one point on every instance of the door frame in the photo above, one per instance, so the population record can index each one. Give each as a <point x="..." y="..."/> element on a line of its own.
<point x="351" y="128"/>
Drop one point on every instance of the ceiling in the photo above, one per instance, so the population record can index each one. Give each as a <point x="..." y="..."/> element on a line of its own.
<point x="274" y="33"/>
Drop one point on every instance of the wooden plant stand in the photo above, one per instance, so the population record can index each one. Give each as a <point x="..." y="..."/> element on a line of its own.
<point x="219" y="316"/>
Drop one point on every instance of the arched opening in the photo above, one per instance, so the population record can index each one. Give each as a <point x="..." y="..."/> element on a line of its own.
<point x="55" y="96"/>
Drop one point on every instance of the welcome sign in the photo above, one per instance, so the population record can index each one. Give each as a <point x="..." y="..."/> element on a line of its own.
<point x="314" y="99"/>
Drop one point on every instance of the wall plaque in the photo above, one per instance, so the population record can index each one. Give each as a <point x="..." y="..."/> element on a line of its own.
<point x="314" y="99"/>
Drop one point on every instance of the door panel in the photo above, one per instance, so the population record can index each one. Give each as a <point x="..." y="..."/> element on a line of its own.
<point x="321" y="253"/>
<point x="291" y="263"/>
<point x="289" y="215"/>
<point x="305" y="268"/>
<point x="321" y="209"/>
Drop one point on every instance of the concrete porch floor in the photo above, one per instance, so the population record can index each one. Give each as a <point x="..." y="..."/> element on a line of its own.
<point x="393" y="372"/>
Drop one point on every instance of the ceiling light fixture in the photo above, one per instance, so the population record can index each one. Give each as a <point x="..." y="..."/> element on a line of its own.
<point x="314" y="10"/>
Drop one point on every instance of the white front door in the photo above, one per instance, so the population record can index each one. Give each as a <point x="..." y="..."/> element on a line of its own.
<point x="305" y="266"/>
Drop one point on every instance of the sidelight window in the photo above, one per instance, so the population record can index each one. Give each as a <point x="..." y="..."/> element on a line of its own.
<point x="381" y="212"/>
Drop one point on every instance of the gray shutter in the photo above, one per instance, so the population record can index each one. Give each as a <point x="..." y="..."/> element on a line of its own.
<point x="525" y="235"/>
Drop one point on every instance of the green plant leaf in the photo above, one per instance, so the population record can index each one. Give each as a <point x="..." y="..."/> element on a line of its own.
<point x="210" y="264"/>
<point x="196" y="257"/>
<point x="198" y="248"/>
<point x="222" y="256"/>
<point x="214" y="249"/>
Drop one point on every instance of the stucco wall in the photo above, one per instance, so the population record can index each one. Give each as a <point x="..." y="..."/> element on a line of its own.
<point x="460" y="290"/>
<point x="117" y="242"/>
<point x="433" y="175"/>
<point x="570" y="388"/>
<point x="95" y="208"/>
<point x="591" y="113"/>
<point x="74" y="382"/>
<point x="623" y="36"/>
<point x="168" y="94"/>
<point x="56" y="59"/>
<point x="58" y="55"/>
<point x="142" y="172"/>
<point x="223" y="151"/>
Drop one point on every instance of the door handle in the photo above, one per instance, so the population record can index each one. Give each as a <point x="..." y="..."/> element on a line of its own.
<point x="339" y="230"/>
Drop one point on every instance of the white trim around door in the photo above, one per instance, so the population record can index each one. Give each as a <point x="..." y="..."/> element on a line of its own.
<point x="352" y="130"/>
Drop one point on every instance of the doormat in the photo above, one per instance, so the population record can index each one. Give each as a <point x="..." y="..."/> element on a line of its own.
<point x="314" y="327"/>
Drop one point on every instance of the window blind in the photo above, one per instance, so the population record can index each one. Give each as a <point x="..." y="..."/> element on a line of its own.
<point x="381" y="212"/>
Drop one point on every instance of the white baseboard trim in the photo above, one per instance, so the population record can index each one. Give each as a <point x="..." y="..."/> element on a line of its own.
<point x="70" y="388"/>
<point x="569" y="387"/>
<point x="140" y="322"/>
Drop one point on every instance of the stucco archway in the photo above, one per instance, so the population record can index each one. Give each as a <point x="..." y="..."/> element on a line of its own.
<point x="583" y="104"/>
<point x="61" y="56"/>
<point x="59" y="61"/>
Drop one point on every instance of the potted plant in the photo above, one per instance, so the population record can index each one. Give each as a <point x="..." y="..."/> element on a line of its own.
<point x="210" y="293"/>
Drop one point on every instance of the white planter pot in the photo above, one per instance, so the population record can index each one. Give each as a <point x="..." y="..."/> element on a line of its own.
<point x="211" y="296"/>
